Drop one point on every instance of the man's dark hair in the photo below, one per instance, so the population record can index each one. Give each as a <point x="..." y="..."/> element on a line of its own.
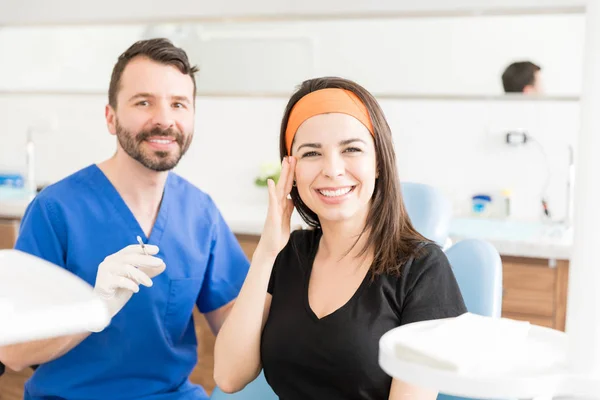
<point x="159" y="50"/>
<point x="518" y="75"/>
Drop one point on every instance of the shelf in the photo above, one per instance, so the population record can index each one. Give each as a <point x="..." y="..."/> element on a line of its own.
<point x="201" y="12"/>
<point x="379" y="96"/>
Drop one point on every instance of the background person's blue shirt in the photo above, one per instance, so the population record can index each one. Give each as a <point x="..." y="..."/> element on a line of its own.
<point x="149" y="349"/>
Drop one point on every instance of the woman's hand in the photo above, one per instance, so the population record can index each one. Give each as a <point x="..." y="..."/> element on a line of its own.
<point x="276" y="231"/>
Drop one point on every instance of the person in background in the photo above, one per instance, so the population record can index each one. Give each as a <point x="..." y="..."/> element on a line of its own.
<point x="316" y="302"/>
<point x="88" y="222"/>
<point x="522" y="77"/>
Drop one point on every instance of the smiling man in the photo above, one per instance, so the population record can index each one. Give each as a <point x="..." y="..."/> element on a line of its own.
<point x="88" y="224"/>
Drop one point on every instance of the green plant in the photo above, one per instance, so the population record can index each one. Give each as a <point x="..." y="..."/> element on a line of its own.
<point x="268" y="170"/>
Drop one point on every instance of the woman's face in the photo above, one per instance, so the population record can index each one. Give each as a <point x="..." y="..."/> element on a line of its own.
<point x="336" y="167"/>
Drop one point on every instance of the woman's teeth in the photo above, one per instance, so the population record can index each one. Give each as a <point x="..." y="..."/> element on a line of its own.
<point x="335" y="193"/>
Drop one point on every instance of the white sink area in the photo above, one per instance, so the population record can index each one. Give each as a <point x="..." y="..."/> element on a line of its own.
<point x="507" y="229"/>
<point x="519" y="238"/>
<point x="13" y="202"/>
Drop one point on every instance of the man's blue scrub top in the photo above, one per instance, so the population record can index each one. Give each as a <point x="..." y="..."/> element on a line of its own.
<point x="149" y="349"/>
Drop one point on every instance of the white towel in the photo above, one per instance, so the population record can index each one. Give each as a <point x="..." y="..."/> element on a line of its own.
<point x="466" y="344"/>
<point x="6" y="307"/>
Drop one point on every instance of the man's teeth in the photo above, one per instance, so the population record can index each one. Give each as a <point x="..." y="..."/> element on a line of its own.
<point x="161" y="141"/>
<point x="335" y="193"/>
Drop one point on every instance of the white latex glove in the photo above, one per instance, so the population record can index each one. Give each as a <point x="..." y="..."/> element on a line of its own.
<point x="120" y="275"/>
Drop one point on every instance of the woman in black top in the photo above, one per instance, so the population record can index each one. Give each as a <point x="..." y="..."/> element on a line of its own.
<point x="315" y="303"/>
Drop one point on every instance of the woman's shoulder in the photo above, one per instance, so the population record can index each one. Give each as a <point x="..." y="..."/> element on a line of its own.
<point x="426" y="258"/>
<point x="429" y="254"/>
<point x="301" y="245"/>
<point x="304" y="238"/>
<point x="426" y="287"/>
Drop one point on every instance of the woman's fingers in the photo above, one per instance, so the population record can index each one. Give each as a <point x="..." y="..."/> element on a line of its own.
<point x="282" y="182"/>
<point x="287" y="215"/>
<point x="278" y="193"/>
<point x="290" y="176"/>
<point x="288" y="209"/>
<point x="273" y="198"/>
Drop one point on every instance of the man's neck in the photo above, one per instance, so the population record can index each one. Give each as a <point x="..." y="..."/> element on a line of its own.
<point x="141" y="188"/>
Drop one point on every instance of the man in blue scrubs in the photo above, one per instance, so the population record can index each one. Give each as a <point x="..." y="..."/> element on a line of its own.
<point x="88" y="224"/>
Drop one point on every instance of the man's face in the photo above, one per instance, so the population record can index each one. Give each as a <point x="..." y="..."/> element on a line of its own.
<point x="538" y="85"/>
<point x="154" y="117"/>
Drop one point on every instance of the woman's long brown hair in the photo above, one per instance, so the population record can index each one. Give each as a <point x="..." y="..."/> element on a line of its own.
<point x="392" y="238"/>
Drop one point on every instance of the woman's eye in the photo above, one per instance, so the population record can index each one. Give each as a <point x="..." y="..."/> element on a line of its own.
<point x="310" y="154"/>
<point x="142" y="103"/>
<point x="353" y="150"/>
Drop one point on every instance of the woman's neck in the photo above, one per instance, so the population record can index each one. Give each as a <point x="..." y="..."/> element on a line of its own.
<point x="344" y="239"/>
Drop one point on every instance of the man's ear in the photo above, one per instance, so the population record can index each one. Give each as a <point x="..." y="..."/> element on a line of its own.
<point x="111" y="119"/>
<point x="529" y="89"/>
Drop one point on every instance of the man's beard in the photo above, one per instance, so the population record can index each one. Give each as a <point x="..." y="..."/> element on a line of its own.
<point x="153" y="159"/>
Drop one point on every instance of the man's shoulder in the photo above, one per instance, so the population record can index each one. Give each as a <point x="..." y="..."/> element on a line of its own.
<point x="193" y="199"/>
<point x="189" y="190"/>
<point x="67" y="189"/>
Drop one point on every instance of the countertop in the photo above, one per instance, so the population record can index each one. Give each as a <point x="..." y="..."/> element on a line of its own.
<point x="511" y="238"/>
<point x="518" y="238"/>
<point x="12" y="209"/>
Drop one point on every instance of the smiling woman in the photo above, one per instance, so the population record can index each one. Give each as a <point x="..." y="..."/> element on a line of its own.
<point x="315" y="302"/>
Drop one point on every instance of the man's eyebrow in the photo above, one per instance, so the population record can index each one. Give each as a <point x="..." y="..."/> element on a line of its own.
<point x="183" y="99"/>
<point x="142" y="95"/>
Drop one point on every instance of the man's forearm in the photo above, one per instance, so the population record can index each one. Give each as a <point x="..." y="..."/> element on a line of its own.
<point x="22" y="355"/>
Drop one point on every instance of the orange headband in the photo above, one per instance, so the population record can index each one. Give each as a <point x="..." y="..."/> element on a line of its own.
<point x="324" y="101"/>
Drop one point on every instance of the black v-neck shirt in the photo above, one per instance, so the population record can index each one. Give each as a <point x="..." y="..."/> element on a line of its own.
<point x="336" y="357"/>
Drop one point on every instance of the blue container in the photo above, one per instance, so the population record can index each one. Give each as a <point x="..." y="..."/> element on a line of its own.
<point x="481" y="203"/>
<point x="12" y="180"/>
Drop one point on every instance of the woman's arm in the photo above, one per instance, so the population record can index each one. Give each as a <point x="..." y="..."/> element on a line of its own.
<point x="404" y="391"/>
<point x="22" y="355"/>
<point x="237" y="349"/>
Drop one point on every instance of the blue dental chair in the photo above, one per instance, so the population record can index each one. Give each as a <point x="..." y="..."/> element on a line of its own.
<point x="478" y="270"/>
<point x="476" y="265"/>
<point x="429" y="210"/>
<point x="258" y="389"/>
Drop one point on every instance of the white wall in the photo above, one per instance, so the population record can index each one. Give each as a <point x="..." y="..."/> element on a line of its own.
<point x="456" y="146"/>
<point x="448" y="56"/>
